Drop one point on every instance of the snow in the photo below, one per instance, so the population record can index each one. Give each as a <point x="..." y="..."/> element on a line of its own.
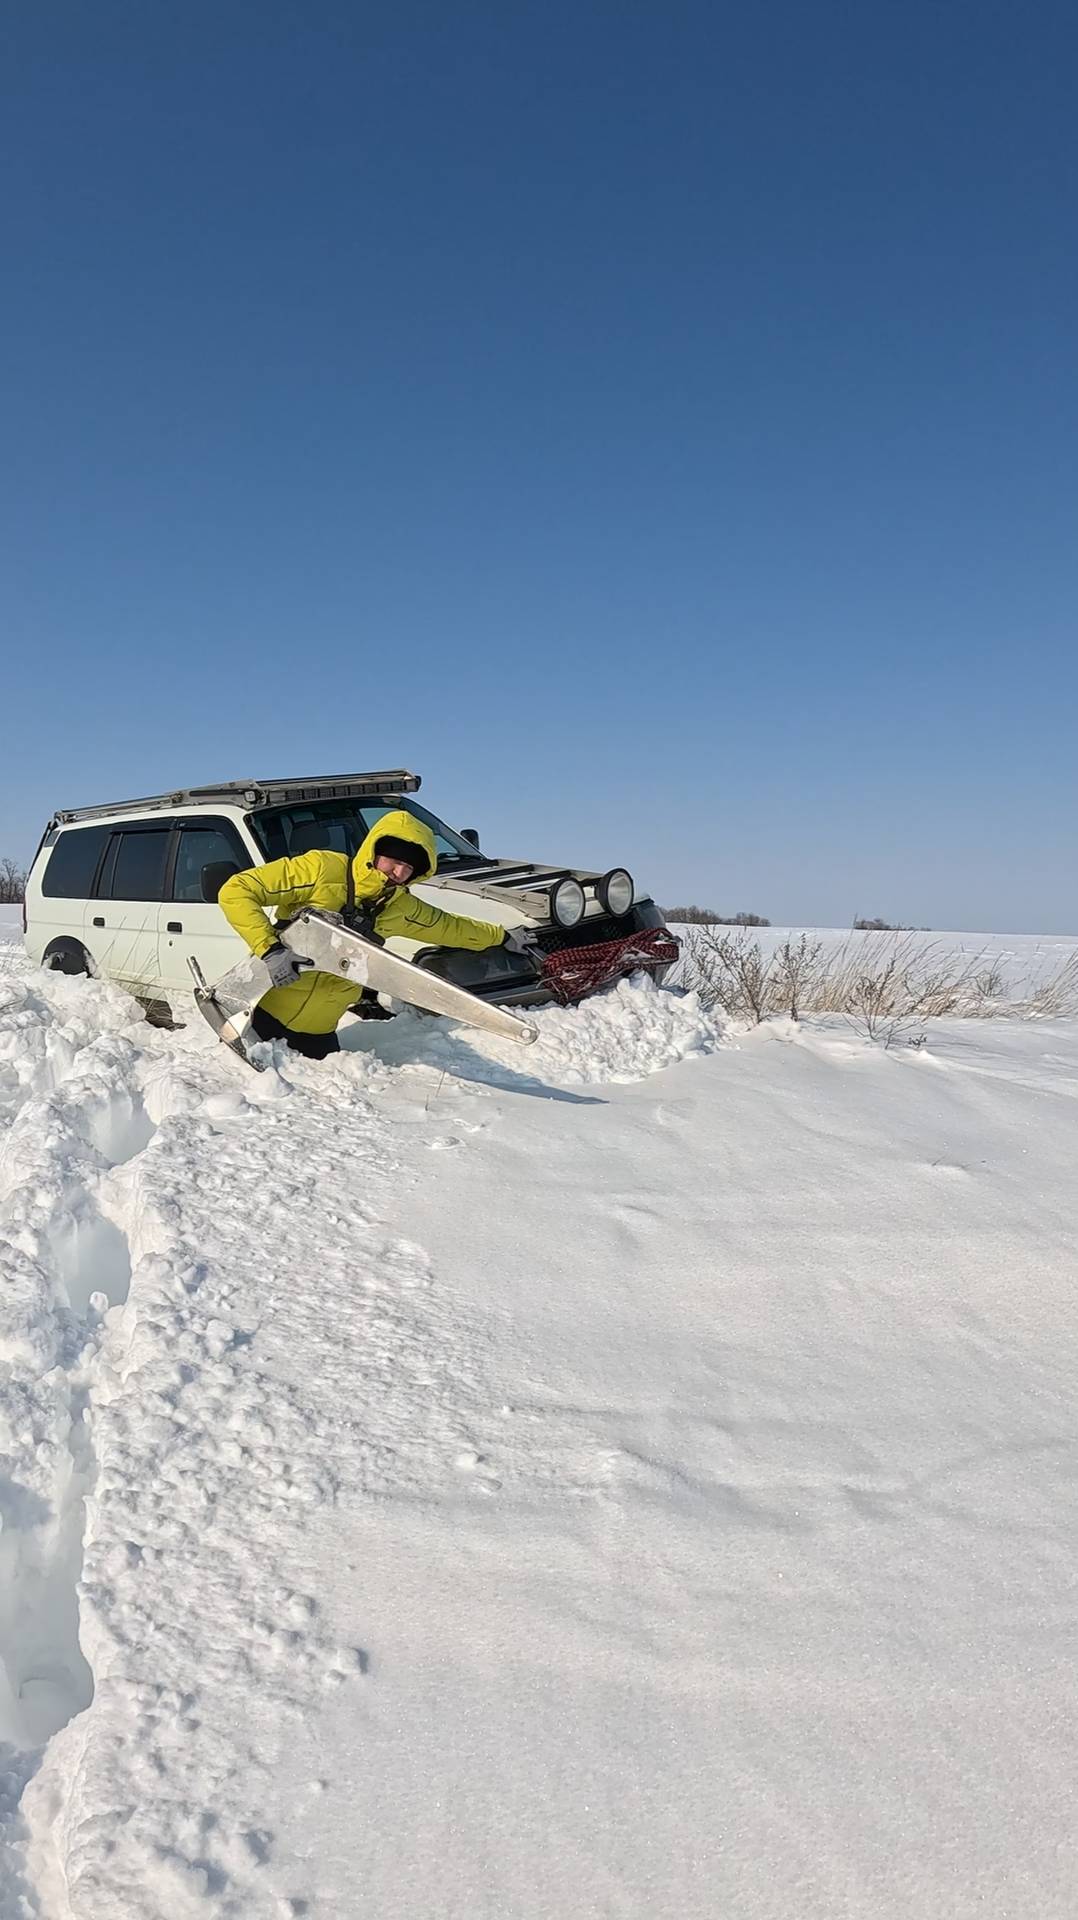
<point x="631" y="1478"/>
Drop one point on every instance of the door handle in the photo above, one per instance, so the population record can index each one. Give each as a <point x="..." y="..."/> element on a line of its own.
<point x="174" y="926"/>
<point x="99" y="920"/>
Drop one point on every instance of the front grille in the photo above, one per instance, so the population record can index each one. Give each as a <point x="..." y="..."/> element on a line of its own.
<point x="592" y="932"/>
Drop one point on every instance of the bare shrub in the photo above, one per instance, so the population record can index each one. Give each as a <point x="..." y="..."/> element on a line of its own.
<point x="989" y="984"/>
<point x="730" y="971"/>
<point x="1056" y="996"/>
<point x="886" y="988"/>
<point x="797" y="964"/>
<point x="12" y="883"/>
<point x="889" y="995"/>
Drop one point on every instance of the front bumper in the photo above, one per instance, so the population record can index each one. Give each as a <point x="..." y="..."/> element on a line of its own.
<point x="508" y="977"/>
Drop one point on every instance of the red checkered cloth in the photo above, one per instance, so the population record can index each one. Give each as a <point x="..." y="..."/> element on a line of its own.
<point x="572" y="972"/>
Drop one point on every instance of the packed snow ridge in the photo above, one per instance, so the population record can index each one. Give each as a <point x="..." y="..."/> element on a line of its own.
<point x="632" y="1474"/>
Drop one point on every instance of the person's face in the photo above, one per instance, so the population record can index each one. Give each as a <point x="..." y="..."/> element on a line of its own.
<point x="396" y="870"/>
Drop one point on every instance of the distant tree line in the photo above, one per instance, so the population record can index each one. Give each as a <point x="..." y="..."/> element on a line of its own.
<point x="12" y="883"/>
<point x="708" y="917"/>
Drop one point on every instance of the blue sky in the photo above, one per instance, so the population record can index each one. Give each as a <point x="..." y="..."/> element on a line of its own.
<point x="657" y="425"/>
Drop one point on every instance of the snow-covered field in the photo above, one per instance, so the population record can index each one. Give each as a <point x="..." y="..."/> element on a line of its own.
<point x="633" y="1478"/>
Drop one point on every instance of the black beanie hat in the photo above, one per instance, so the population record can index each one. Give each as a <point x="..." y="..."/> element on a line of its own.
<point x="408" y="850"/>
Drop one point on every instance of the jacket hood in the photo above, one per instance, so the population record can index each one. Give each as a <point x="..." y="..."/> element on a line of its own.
<point x="398" y="825"/>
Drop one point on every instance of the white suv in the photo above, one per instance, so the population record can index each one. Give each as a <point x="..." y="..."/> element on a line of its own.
<point x="128" y="891"/>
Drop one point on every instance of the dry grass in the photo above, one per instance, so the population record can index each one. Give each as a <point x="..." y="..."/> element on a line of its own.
<point x="886" y="987"/>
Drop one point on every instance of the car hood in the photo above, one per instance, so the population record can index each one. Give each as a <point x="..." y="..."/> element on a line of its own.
<point x="520" y="887"/>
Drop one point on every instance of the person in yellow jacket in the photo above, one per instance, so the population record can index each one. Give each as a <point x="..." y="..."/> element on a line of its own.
<point x="303" y="1005"/>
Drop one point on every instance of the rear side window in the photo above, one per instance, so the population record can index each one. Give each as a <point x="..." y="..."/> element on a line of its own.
<point x="69" y="872"/>
<point x="205" y="847"/>
<point x="136" y="866"/>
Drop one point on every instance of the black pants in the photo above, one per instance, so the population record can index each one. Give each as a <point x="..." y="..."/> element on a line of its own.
<point x="314" y="1045"/>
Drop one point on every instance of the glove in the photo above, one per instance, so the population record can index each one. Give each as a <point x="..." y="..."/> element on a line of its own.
<point x="521" y="940"/>
<point x="283" y="966"/>
<point x="369" y="1007"/>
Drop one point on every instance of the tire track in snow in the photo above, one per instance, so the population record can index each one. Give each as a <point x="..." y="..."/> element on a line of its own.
<point x="69" y="1114"/>
<point x="170" y="1463"/>
<point x="248" y="1371"/>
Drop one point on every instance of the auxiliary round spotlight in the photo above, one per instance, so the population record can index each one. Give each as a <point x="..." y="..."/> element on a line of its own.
<point x="615" y="892"/>
<point x="567" y="902"/>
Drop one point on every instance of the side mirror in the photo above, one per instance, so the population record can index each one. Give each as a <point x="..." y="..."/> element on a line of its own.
<point x="471" y="835"/>
<point x="214" y="875"/>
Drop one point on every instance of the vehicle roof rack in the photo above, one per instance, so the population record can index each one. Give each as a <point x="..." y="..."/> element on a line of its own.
<point x="260" y="793"/>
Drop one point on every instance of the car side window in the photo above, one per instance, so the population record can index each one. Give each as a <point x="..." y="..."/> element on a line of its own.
<point x="203" y="847"/>
<point x="138" y="865"/>
<point x="69" y="871"/>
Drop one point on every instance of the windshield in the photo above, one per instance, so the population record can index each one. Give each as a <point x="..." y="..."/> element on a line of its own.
<point x="342" y="825"/>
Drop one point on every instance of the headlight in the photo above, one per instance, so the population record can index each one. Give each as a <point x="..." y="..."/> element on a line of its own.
<point x="567" y="902"/>
<point x="615" y="891"/>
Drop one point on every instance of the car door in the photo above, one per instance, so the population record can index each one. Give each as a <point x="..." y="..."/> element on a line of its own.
<point x="192" y="926"/>
<point x="121" y="920"/>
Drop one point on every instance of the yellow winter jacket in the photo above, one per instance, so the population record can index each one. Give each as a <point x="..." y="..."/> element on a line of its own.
<point x="315" y="1003"/>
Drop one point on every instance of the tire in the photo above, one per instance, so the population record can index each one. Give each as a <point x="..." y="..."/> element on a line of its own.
<point x="66" y="956"/>
<point x="159" y="1013"/>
